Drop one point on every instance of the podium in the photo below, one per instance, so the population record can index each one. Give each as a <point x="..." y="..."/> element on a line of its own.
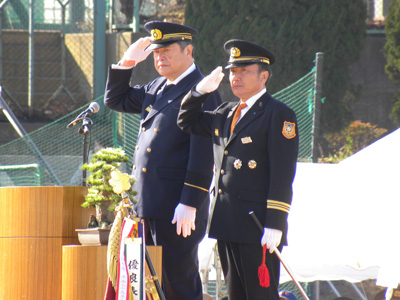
<point x="41" y="257"/>
<point x="35" y="222"/>
<point x="84" y="271"/>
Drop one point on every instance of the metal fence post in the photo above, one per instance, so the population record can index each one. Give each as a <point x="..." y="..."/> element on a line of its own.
<point x="31" y="58"/>
<point x="135" y="21"/>
<point x="99" y="48"/>
<point x="319" y="61"/>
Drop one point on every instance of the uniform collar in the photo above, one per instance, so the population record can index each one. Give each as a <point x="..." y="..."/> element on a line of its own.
<point x="183" y="75"/>
<point x="250" y="102"/>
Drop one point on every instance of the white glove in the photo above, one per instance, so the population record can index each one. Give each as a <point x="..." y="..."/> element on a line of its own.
<point x="184" y="217"/>
<point x="137" y="51"/>
<point x="211" y="82"/>
<point x="271" y="238"/>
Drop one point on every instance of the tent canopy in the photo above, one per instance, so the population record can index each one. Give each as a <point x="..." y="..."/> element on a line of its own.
<point x="344" y="220"/>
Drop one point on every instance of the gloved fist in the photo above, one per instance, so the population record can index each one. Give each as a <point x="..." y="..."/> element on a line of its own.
<point x="184" y="218"/>
<point x="211" y="82"/>
<point x="271" y="238"/>
<point x="137" y="51"/>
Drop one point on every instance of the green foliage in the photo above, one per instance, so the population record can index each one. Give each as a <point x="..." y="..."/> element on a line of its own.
<point x="395" y="113"/>
<point x="100" y="166"/>
<point x="392" y="46"/>
<point x="392" y="54"/>
<point x="294" y="31"/>
<point x="355" y="137"/>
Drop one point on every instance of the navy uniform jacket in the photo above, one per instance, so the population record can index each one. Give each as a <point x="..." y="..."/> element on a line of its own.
<point x="254" y="164"/>
<point x="170" y="166"/>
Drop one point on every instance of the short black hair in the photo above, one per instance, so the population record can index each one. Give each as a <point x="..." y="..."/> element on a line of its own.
<point x="263" y="67"/>
<point x="183" y="44"/>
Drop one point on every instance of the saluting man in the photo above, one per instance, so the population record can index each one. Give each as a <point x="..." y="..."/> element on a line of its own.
<point x="255" y="145"/>
<point x="173" y="169"/>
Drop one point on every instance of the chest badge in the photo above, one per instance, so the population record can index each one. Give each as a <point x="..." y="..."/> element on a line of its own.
<point x="252" y="164"/>
<point x="247" y="140"/>
<point x="288" y="130"/>
<point x="148" y="108"/>
<point x="237" y="164"/>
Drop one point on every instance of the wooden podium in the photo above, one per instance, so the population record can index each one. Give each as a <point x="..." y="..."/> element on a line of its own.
<point x="35" y="222"/>
<point x="84" y="271"/>
<point x="41" y="257"/>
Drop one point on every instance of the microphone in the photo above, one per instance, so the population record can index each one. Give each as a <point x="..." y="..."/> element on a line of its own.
<point x="93" y="108"/>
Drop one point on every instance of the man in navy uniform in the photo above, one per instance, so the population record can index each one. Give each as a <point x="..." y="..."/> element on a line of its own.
<point x="255" y="152"/>
<point x="173" y="169"/>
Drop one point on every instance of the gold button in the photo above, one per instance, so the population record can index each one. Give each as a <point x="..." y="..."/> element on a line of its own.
<point x="144" y="170"/>
<point x="137" y="147"/>
<point x="148" y="149"/>
<point x="143" y="129"/>
<point x="222" y="172"/>
<point x="155" y="130"/>
<point x="219" y="191"/>
<point x="134" y="167"/>
<point x="226" y="152"/>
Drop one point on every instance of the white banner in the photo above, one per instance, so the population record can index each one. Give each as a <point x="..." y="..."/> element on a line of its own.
<point x="134" y="261"/>
<point x="123" y="275"/>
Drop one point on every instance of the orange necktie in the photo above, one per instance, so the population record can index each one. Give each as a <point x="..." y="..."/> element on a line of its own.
<point x="236" y="116"/>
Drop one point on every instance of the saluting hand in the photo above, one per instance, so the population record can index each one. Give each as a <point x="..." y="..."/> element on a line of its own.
<point x="184" y="217"/>
<point x="137" y="52"/>
<point x="271" y="238"/>
<point x="211" y="82"/>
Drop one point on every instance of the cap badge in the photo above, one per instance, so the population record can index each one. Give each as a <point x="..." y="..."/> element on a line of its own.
<point x="288" y="130"/>
<point x="156" y="34"/>
<point x="252" y="164"/>
<point x="237" y="164"/>
<point x="235" y="52"/>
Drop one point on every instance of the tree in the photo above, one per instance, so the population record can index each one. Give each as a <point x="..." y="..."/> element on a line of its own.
<point x="101" y="194"/>
<point x="294" y="31"/>
<point x="392" y="53"/>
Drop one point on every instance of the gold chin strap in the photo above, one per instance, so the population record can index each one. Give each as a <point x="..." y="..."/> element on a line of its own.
<point x="187" y="36"/>
<point x="250" y="58"/>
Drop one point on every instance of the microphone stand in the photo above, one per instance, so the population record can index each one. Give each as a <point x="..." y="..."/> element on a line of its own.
<point x="85" y="131"/>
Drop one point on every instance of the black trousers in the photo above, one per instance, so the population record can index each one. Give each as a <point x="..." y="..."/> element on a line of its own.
<point x="180" y="266"/>
<point x="240" y="264"/>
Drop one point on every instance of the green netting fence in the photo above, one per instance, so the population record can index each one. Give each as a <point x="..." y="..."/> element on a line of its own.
<point x="58" y="151"/>
<point x="299" y="96"/>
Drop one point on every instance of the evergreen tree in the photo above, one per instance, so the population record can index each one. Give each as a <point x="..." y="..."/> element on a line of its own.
<point x="294" y="31"/>
<point x="392" y="53"/>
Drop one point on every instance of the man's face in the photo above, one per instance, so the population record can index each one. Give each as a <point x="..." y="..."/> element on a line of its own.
<point x="171" y="61"/>
<point x="247" y="81"/>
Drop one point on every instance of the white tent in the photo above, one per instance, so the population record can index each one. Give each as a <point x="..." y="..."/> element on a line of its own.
<point x="344" y="222"/>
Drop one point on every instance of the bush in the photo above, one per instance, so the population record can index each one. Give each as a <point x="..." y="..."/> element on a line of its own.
<point x="351" y="140"/>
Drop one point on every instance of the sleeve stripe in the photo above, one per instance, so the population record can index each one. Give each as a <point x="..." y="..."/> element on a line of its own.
<point x="272" y="204"/>
<point x="197" y="187"/>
